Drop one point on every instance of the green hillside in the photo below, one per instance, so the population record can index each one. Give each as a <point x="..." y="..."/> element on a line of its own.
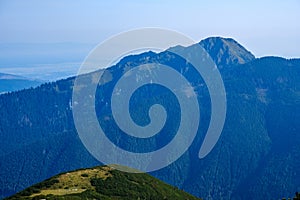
<point x="102" y="183"/>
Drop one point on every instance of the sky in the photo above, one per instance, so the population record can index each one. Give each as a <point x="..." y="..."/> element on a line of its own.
<point x="263" y="27"/>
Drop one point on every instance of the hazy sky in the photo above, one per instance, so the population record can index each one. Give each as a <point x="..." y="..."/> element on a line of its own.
<point x="263" y="27"/>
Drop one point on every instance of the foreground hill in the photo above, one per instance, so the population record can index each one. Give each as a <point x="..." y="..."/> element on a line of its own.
<point x="102" y="183"/>
<point x="258" y="150"/>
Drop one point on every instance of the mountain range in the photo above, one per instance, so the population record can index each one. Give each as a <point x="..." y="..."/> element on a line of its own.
<point x="256" y="157"/>
<point x="10" y="82"/>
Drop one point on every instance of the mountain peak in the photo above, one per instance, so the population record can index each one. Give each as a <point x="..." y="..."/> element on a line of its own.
<point x="226" y="51"/>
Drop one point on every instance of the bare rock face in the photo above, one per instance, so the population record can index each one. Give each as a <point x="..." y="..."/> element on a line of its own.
<point x="226" y="51"/>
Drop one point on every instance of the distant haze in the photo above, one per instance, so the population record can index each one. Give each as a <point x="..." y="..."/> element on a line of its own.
<point x="49" y="32"/>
